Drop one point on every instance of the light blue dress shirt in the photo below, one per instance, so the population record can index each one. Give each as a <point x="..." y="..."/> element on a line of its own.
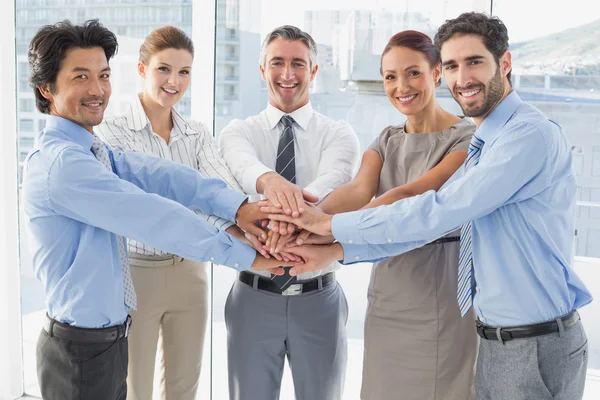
<point x="521" y="199"/>
<point x="74" y="207"/>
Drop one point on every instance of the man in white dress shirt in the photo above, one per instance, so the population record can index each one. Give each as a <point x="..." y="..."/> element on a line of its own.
<point x="288" y="153"/>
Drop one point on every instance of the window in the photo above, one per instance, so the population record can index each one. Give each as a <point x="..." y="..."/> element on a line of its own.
<point x="556" y="71"/>
<point x="124" y="21"/>
<point x="26" y="143"/>
<point x="596" y="161"/>
<point x="554" y="68"/>
<point x="26" y="125"/>
<point x="350" y="43"/>
<point x="26" y="105"/>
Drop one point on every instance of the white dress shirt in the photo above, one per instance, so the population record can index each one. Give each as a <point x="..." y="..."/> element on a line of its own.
<point x="326" y="153"/>
<point x="190" y="143"/>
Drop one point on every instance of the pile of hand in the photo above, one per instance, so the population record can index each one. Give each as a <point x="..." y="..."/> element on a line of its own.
<point x="291" y="229"/>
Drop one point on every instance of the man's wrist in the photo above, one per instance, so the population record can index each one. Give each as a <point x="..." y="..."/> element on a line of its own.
<point x="263" y="181"/>
<point x="240" y="211"/>
<point x="338" y="251"/>
<point x="327" y="224"/>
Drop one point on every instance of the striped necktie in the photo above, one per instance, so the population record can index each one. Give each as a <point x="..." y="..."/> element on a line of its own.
<point x="285" y="164"/>
<point x="286" y="167"/>
<point x="101" y="153"/>
<point x="464" y="293"/>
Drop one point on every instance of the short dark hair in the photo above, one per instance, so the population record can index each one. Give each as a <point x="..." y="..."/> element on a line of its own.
<point x="166" y="37"/>
<point x="416" y="41"/>
<point x="50" y="46"/>
<point x="492" y="31"/>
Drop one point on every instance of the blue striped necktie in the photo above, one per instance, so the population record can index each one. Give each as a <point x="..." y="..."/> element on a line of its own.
<point x="99" y="150"/>
<point x="464" y="293"/>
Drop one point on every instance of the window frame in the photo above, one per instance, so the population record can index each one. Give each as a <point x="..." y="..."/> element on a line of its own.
<point x="11" y="345"/>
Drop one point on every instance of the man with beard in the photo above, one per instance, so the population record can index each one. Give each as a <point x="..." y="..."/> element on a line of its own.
<point x="514" y="198"/>
<point x="82" y="198"/>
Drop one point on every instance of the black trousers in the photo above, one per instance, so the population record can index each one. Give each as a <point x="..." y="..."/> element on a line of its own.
<point x="81" y="371"/>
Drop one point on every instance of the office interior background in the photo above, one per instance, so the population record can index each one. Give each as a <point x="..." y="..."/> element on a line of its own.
<point x="556" y="67"/>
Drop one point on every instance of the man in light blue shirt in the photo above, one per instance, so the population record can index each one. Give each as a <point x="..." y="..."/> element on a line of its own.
<point x="81" y="199"/>
<point x="515" y="199"/>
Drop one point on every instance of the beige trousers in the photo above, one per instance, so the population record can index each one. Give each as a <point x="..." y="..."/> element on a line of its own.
<point x="171" y="318"/>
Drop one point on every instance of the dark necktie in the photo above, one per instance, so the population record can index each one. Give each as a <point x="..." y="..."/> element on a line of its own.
<point x="285" y="164"/>
<point x="286" y="167"/>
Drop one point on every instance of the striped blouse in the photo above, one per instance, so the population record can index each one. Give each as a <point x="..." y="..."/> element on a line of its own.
<point x="190" y="143"/>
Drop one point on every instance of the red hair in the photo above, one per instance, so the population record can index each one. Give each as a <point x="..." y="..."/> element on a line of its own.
<point x="416" y="41"/>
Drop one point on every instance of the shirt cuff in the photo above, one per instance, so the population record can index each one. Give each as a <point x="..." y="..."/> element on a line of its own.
<point x="355" y="254"/>
<point x="227" y="203"/>
<point x="345" y="228"/>
<point x="226" y="226"/>
<point x="239" y="257"/>
<point x="251" y="175"/>
<point x="320" y="193"/>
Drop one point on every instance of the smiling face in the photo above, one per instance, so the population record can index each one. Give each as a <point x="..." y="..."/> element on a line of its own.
<point x="409" y="81"/>
<point x="82" y="88"/>
<point x="476" y="81"/>
<point x="166" y="76"/>
<point x="288" y="73"/>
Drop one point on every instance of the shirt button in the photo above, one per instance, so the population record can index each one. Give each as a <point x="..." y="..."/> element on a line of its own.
<point x="357" y="258"/>
<point x="236" y="265"/>
<point x="389" y="240"/>
<point x="350" y="241"/>
<point x="212" y="259"/>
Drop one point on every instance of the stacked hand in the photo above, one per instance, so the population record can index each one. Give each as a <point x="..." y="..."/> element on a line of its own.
<point x="288" y="228"/>
<point x="313" y="243"/>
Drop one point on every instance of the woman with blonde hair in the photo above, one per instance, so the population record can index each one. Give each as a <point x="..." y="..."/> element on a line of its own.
<point x="172" y="292"/>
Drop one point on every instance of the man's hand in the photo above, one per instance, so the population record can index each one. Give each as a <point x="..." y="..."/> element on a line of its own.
<point x="277" y="241"/>
<point x="307" y="237"/>
<point x="283" y="194"/>
<point x="280" y="254"/>
<point x="248" y="238"/>
<point x="271" y="265"/>
<point x="313" y="219"/>
<point x="248" y="218"/>
<point x="315" y="257"/>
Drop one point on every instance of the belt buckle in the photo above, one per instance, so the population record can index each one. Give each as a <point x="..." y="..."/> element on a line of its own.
<point x="293" y="290"/>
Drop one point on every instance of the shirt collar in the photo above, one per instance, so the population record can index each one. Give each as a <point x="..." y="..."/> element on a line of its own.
<point x="137" y="119"/>
<point x="136" y="116"/>
<point x="489" y="130"/>
<point x="301" y="116"/>
<point x="73" y="131"/>
<point x="180" y="123"/>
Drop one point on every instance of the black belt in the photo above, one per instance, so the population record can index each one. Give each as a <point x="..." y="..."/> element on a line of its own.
<point x="449" y="239"/>
<point x="86" y="335"/>
<point x="296" y="288"/>
<point x="525" y="331"/>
